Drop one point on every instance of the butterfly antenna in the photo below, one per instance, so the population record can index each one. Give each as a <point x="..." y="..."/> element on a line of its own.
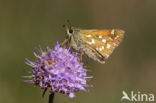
<point x="63" y="26"/>
<point x="68" y="21"/>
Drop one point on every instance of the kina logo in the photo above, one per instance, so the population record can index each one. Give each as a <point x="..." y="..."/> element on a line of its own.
<point x="137" y="97"/>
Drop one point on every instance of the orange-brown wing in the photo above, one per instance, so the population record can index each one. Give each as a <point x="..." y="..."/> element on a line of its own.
<point x="103" y="41"/>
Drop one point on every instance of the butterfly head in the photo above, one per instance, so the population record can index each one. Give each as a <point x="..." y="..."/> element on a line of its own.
<point x="69" y="28"/>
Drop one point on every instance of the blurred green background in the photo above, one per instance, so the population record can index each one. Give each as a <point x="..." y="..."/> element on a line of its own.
<point x="26" y="24"/>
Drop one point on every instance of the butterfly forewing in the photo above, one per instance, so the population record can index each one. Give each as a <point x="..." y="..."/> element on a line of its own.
<point x="102" y="41"/>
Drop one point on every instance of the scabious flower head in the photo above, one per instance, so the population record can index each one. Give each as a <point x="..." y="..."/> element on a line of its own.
<point x="59" y="70"/>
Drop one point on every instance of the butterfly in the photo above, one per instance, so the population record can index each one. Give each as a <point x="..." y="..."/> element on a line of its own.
<point x="96" y="44"/>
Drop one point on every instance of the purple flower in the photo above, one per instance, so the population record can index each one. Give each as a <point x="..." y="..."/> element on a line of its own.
<point x="59" y="70"/>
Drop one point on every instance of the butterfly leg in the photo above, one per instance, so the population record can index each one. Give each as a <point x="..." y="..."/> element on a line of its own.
<point x="44" y="92"/>
<point x="67" y="41"/>
<point x="81" y="54"/>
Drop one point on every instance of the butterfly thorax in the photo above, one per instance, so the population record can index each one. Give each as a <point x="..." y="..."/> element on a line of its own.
<point x="76" y="40"/>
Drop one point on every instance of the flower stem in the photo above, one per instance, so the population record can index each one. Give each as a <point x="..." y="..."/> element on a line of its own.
<point x="51" y="98"/>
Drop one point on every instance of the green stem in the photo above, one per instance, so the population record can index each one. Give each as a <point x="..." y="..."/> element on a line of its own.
<point x="51" y="98"/>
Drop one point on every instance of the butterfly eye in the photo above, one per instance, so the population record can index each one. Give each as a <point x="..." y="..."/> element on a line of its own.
<point x="71" y="31"/>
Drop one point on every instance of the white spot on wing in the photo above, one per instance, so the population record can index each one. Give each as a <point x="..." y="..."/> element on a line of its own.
<point x="108" y="46"/>
<point x="100" y="36"/>
<point x="117" y="37"/>
<point x="93" y="41"/>
<point x="112" y="32"/>
<point x="102" y="47"/>
<point x="88" y="36"/>
<point x="104" y="40"/>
